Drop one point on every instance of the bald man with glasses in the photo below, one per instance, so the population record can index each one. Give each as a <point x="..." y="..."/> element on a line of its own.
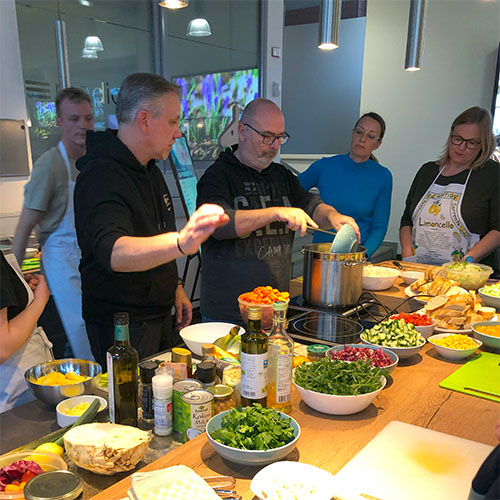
<point x="265" y="204"/>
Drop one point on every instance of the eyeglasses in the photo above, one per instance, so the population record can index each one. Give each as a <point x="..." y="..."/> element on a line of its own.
<point x="360" y="133"/>
<point x="269" y="139"/>
<point x="469" y="143"/>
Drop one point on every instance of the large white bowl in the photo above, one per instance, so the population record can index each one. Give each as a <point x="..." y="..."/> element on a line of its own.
<point x="402" y="352"/>
<point x="381" y="282"/>
<point x="488" y="340"/>
<point x="489" y="300"/>
<point x="451" y="353"/>
<point x="63" y="419"/>
<point x="333" y="404"/>
<point x="250" y="457"/>
<point x="194" y="336"/>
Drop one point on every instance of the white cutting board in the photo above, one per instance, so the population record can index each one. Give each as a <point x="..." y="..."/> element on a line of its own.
<point x="406" y="462"/>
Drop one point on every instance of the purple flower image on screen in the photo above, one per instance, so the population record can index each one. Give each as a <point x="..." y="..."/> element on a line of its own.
<point x="207" y="106"/>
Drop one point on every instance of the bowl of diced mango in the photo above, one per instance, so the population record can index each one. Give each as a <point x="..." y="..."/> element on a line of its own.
<point x="54" y="381"/>
<point x="488" y="332"/>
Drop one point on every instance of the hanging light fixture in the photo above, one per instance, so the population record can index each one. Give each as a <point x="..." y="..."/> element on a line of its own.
<point x="93" y="43"/>
<point x="174" y="4"/>
<point x="329" y="24"/>
<point x="89" y="54"/>
<point x="416" y="32"/>
<point x="198" y="27"/>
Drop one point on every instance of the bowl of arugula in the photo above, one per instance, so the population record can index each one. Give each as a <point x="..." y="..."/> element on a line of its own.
<point x="338" y="387"/>
<point x="253" y="435"/>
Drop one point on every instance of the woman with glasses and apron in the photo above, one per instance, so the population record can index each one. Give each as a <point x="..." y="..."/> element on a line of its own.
<point x="452" y="210"/>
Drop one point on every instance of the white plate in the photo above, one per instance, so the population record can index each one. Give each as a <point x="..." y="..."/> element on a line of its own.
<point x="445" y="330"/>
<point x="411" y="293"/>
<point x="317" y="484"/>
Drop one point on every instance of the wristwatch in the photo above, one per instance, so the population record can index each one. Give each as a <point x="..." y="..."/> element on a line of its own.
<point x="469" y="258"/>
<point x="180" y="281"/>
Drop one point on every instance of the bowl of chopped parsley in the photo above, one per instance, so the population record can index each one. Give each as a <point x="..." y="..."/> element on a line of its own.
<point x="253" y="435"/>
<point x="338" y="387"/>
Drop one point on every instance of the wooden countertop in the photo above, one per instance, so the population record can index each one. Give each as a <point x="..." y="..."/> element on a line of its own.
<point x="412" y="395"/>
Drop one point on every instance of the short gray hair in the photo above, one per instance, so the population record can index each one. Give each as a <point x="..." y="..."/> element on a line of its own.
<point x="140" y="91"/>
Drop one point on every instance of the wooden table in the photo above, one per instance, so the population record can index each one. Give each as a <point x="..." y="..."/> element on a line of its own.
<point x="412" y="395"/>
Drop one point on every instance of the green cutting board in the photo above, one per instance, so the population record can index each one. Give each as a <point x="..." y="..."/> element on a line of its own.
<point x="481" y="372"/>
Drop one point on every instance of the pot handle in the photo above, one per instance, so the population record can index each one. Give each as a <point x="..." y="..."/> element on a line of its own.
<point x="352" y="263"/>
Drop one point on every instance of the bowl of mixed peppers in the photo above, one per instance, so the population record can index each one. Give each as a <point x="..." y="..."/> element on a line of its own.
<point x="264" y="297"/>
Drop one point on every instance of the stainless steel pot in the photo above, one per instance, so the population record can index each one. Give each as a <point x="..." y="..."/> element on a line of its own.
<point x="332" y="279"/>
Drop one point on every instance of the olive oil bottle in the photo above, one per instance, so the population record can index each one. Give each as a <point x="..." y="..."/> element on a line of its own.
<point x="122" y="360"/>
<point x="279" y="386"/>
<point x="253" y="359"/>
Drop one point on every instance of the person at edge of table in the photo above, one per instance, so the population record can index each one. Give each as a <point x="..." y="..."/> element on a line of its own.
<point x="366" y="187"/>
<point x="265" y="204"/>
<point x="452" y="210"/>
<point x="48" y="205"/>
<point x="125" y="222"/>
<point x="22" y="343"/>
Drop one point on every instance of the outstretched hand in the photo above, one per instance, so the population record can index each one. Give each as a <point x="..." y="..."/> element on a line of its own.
<point x="295" y="218"/>
<point x="200" y="226"/>
<point x="338" y="220"/>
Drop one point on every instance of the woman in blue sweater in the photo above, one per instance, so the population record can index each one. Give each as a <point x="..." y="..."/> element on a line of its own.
<point x="355" y="183"/>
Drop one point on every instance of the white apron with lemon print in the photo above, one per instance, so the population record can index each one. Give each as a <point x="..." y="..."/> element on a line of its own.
<point x="439" y="233"/>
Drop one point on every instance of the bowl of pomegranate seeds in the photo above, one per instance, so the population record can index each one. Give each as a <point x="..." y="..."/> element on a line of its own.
<point x="378" y="356"/>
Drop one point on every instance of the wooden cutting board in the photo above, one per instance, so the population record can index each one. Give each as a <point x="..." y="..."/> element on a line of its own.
<point x="407" y="462"/>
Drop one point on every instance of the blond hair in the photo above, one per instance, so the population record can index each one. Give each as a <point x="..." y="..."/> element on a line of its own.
<point x="481" y="117"/>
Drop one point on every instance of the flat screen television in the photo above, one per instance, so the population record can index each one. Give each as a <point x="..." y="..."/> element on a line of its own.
<point x="206" y="106"/>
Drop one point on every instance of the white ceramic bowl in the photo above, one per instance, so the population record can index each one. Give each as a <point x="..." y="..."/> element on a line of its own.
<point x="449" y="352"/>
<point x="250" y="457"/>
<point x="426" y="330"/>
<point x="392" y="355"/>
<point x="402" y="352"/>
<point x="194" y="336"/>
<point x="288" y="477"/>
<point x="333" y="404"/>
<point x="488" y="340"/>
<point x="410" y="277"/>
<point x="489" y="300"/>
<point x="380" y="282"/>
<point x="345" y="240"/>
<point x="63" y="419"/>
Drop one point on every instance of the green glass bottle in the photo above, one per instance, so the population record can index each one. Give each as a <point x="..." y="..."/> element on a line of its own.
<point x="122" y="360"/>
<point x="253" y="359"/>
<point x="279" y="386"/>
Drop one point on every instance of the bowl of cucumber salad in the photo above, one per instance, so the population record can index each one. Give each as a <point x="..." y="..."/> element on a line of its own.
<point x="397" y="336"/>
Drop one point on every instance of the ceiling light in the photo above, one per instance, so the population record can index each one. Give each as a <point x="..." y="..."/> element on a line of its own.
<point x="416" y="33"/>
<point x="93" y="43"/>
<point x="198" y="27"/>
<point x="89" y="54"/>
<point x="329" y="24"/>
<point x="174" y="4"/>
<point x="85" y="3"/>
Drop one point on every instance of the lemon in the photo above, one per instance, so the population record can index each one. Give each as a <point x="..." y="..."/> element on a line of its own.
<point x="52" y="447"/>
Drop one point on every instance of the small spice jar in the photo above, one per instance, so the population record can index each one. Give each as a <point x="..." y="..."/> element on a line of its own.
<point x="317" y="351"/>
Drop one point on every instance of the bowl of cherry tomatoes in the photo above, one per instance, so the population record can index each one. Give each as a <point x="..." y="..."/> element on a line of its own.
<point x="423" y="323"/>
<point x="264" y="297"/>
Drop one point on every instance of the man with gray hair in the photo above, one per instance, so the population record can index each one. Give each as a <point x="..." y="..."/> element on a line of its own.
<point x="125" y="222"/>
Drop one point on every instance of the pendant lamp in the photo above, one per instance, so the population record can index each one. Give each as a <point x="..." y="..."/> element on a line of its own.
<point x="93" y="43"/>
<point x="174" y="4"/>
<point x="329" y="24"/>
<point x="416" y="33"/>
<point x="198" y="27"/>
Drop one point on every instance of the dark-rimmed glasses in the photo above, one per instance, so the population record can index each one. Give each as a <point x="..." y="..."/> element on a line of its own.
<point x="360" y="133"/>
<point x="469" y="143"/>
<point x="269" y="139"/>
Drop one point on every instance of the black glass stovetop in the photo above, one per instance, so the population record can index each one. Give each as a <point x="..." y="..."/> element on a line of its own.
<point x="331" y="326"/>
